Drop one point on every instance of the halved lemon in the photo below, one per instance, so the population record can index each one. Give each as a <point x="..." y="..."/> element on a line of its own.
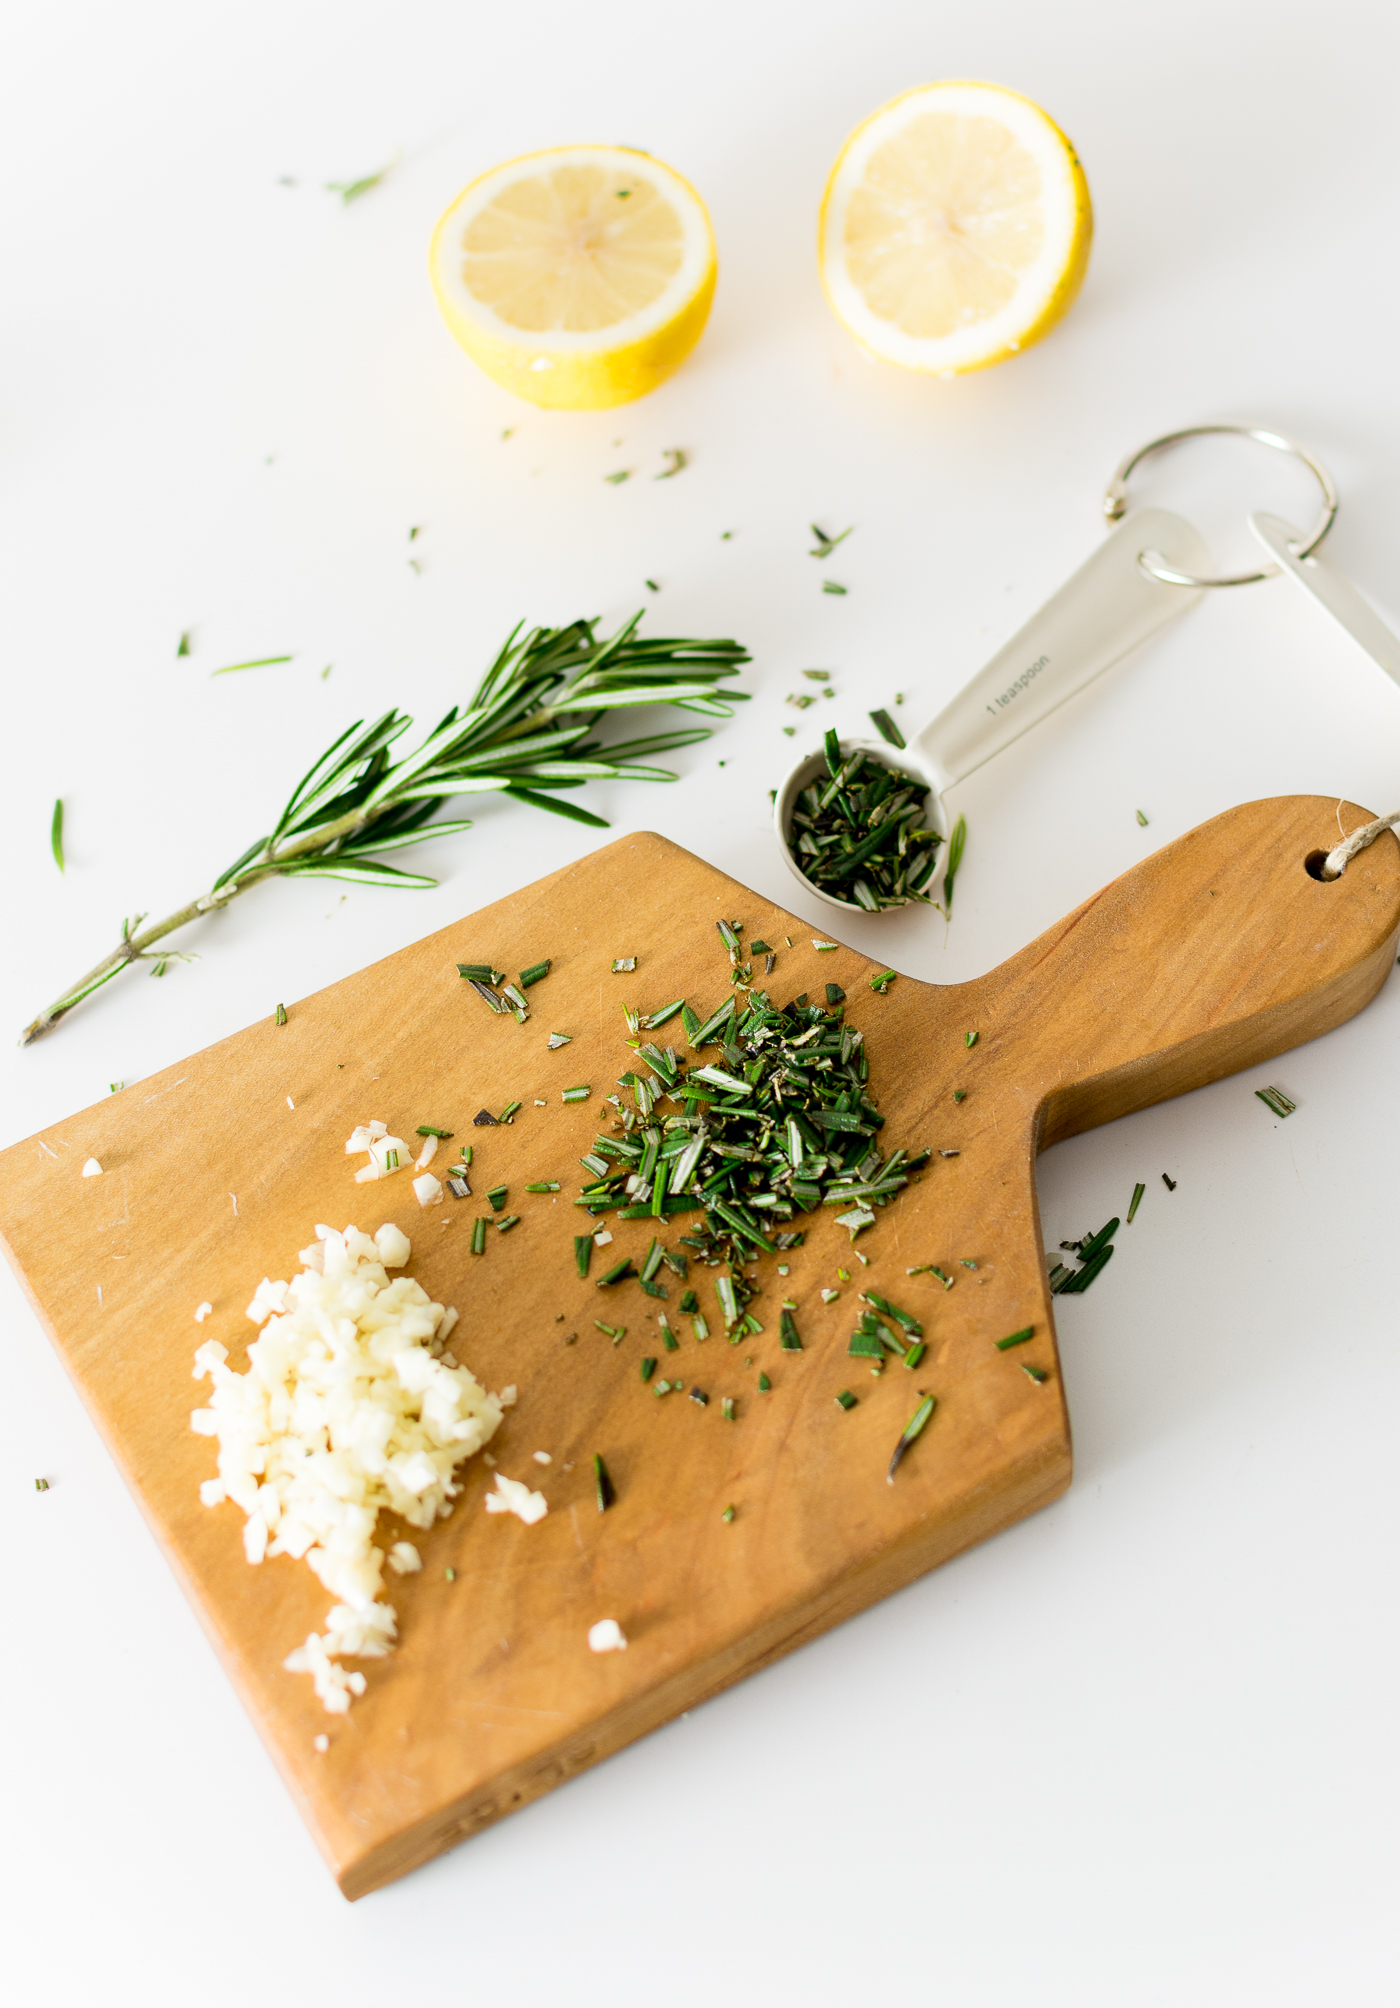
<point x="955" y="228"/>
<point x="579" y="277"/>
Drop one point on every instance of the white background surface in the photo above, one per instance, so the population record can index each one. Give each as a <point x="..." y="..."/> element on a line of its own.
<point x="1139" y="1750"/>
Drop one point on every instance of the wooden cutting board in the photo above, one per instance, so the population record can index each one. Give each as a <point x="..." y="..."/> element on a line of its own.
<point x="1217" y="953"/>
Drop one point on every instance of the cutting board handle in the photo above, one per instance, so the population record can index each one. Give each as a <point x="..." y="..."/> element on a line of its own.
<point x="1219" y="952"/>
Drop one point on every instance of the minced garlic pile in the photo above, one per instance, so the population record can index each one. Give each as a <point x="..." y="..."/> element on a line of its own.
<point x="350" y="1405"/>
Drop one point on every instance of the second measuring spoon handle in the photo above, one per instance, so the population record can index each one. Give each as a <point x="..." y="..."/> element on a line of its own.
<point x="1109" y="606"/>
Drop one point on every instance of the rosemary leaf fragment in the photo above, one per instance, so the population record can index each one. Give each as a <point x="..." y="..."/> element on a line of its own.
<point x="917" y="1422"/>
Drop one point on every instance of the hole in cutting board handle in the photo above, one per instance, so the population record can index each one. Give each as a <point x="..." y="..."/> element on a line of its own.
<point x="1312" y="865"/>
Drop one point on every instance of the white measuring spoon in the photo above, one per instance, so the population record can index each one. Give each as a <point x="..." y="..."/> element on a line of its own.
<point x="1109" y="606"/>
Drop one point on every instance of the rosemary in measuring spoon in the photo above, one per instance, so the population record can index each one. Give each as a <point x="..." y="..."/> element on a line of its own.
<point x="863" y="833"/>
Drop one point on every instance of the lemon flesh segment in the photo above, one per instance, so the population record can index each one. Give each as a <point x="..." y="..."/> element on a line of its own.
<point x="578" y="278"/>
<point x="955" y="228"/>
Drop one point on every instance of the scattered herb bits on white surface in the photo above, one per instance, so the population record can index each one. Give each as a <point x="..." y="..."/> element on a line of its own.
<point x="347" y="1408"/>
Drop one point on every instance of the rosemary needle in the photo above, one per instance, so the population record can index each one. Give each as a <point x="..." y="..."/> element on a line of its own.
<point x="915" y="1425"/>
<point x="351" y="191"/>
<point x="1015" y="1338"/>
<point x="604" y="1490"/>
<point x="1090" y="1248"/>
<point x="56" y="835"/>
<point x="950" y="871"/>
<point x="887" y="728"/>
<point x="826" y="545"/>
<point x="257" y="662"/>
<point x="1138" y="1191"/>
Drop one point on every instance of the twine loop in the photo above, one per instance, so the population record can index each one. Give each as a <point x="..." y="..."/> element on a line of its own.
<point x="1336" y="861"/>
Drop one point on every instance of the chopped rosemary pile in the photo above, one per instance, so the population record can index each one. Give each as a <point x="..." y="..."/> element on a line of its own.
<point x="777" y="1123"/>
<point x="527" y="732"/>
<point x="863" y="834"/>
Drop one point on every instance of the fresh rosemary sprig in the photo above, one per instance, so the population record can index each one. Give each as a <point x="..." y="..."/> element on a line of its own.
<point x="526" y="733"/>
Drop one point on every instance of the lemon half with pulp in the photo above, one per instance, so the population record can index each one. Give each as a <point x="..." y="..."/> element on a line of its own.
<point x="955" y="228"/>
<point x="579" y="277"/>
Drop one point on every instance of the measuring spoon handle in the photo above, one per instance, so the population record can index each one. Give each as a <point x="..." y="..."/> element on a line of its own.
<point x="1103" y="610"/>
<point x="1332" y="590"/>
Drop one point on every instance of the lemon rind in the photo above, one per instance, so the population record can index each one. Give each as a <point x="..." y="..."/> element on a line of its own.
<point x="564" y="380"/>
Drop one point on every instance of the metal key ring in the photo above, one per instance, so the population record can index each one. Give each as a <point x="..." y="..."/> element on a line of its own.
<point x="1115" y="501"/>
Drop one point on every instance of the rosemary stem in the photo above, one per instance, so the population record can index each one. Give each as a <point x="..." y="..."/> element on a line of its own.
<point x="103" y="972"/>
<point x="135" y="947"/>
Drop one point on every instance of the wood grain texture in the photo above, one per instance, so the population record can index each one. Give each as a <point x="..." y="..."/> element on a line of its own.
<point x="1216" y="953"/>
